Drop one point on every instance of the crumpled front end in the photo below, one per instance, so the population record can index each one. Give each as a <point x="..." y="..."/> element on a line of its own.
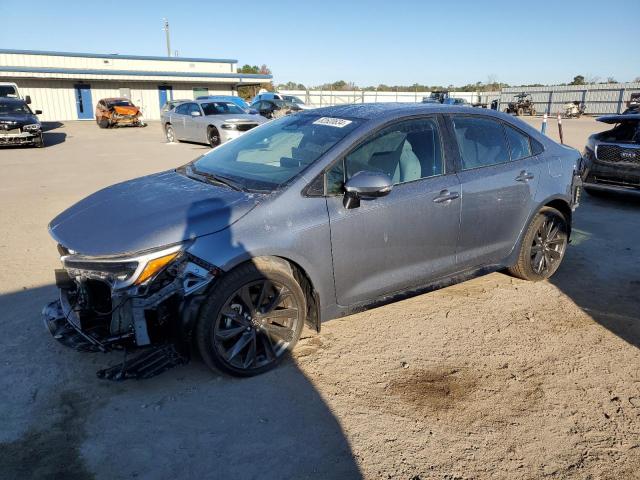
<point x="130" y="116"/>
<point x="17" y="134"/>
<point x="147" y="301"/>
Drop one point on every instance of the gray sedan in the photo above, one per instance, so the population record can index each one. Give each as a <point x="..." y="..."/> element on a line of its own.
<point x="206" y="121"/>
<point x="307" y="218"/>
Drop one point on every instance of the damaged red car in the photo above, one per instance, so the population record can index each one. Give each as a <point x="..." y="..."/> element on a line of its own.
<point x="117" y="112"/>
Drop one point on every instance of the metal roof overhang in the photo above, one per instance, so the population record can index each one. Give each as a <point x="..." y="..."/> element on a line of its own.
<point x="132" y="75"/>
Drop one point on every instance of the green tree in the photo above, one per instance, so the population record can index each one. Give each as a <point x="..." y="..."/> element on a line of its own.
<point x="578" y="80"/>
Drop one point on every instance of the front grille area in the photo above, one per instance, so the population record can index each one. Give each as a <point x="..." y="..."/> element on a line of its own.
<point x="618" y="154"/>
<point x="243" y="127"/>
<point x="12" y="131"/>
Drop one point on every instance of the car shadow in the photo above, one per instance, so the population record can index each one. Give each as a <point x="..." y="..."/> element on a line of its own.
<point x="601" y="269"/>
<point x="53" y="138"/>
<point x="61" y="421"/>
<point x="48" y="126"/>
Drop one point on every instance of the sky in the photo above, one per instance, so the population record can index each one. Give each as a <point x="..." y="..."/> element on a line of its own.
<point x="399" y="42"/>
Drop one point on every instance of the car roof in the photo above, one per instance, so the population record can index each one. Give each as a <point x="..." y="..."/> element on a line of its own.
<point x="370" y="111"/>
<point x="115" y="99"/>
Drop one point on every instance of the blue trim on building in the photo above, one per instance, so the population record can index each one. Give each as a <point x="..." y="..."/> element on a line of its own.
<point x="136" y="73"/>
<point x="116" y="56"/>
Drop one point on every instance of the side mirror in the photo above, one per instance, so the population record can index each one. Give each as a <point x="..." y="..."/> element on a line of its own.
<point x="27" y="99"/>
<point x="195" y="114"/>
<point x="38" y="112"/>
<point x="365" y="185"/>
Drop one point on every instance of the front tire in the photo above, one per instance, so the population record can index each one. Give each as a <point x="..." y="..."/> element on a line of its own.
<point x="103" y="123"/>
<point x="213" y="137"/>
<point x="543" y="246"/>
<point x="520" y="112"/>
<point x="39" y="143"/>
<point x="251" y="319"/>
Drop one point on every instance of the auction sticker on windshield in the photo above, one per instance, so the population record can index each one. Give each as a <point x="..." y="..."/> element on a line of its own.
<point x="332" y="122"/>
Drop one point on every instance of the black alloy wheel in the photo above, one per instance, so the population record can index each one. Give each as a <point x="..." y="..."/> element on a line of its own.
<point x="213" y="137"/>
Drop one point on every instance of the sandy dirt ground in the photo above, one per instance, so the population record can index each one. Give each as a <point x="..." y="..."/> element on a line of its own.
<point x="491" y="378"/>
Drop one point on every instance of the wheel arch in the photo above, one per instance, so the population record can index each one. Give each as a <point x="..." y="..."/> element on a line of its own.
<point x="302" y="277"/>
<point x="557" y="202"/>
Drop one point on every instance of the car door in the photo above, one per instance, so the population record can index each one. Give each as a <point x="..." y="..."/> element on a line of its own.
<point x="192" y="123"/>
<point x="177" y="117"/>
<point x="498" y="177"/>
<point x="406" y="238"/>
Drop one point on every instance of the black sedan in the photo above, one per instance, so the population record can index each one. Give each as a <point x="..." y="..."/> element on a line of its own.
<point x="275" y="108"/>
<point x="18" y="124"/>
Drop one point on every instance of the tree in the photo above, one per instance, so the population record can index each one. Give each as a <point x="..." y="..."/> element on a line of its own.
<point x="611" y="80"/>
<point x="637" y="79"/>
<point x="578" y="80"/>
<point x="249" y="69"/>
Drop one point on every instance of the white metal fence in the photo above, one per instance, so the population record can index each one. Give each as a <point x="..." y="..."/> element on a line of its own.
<point x="599" y="99"/>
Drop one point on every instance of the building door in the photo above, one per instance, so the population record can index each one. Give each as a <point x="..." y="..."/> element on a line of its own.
<point x="165" y="93"/>
<point x="83" y="102"/>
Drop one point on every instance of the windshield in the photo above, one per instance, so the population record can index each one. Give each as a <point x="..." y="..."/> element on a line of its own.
<point x="120" y="103"/>
<point x="8" y="91"/>
<point x="270" y="155"/>
<point x="13" y="108"/>
<point x="292" y="99"/>
<point x="221" y="108"/>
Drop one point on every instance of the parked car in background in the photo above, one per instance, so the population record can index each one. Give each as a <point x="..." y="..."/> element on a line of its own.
<point x="437" y="96"/>
<point x="633" y="105"/>
<point x="10" y="90"/>
<point x="18" y="124"/>
<point x="208" y="121"/>
<point x="461" y="102"/>
<point x="118" y="112"/>
<point x="275" y="108"/>
<point x="290" y="99"/>
<point x="611" y="159"/>
<point x="228" y="98"/>
<point x="303" y="219"/>
<point x="171" y="104"/>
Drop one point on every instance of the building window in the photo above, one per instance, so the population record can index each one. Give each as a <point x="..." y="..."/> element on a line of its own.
<point x="200" y="92"/>
<point x="125" y="93"/>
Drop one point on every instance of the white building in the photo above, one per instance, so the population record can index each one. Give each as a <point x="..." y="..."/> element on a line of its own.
<point x="67" y="86"/>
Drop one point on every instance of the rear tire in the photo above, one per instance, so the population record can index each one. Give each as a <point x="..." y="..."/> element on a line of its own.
<point x="170" y="133"/>
<point x="252" y="318"/>
<point x="543" y="246"/>
<point x="520" y="112"/>
<point x="532" y="112"/>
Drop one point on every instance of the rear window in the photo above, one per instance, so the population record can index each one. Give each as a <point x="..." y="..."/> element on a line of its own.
<point x="519" y="143"/>
<point x="481" y="142"/>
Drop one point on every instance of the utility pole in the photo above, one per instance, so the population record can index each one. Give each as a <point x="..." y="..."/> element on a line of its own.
<point x="165" y="27"/>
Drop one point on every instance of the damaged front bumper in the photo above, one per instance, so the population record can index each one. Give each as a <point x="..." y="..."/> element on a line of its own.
<point x="22" y="138"/>
<point x="109" y="304"/>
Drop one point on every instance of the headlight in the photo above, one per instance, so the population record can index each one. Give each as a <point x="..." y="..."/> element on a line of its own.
<point x="121" y="272"/>
<point x="229" y="126"/>
<point x="32" y="127"/>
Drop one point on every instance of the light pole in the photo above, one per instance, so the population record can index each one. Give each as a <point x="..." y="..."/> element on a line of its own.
<point x="165" y="27"/>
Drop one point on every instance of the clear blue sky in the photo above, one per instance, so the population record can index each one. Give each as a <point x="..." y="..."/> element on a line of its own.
<point x="313" y="42"/>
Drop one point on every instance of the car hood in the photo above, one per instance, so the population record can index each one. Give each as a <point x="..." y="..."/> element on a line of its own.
<point x="148" y="212"/>
<point x="238" y="118"/>
<point x="629" y="117"/>
<point x="22" y="118"/>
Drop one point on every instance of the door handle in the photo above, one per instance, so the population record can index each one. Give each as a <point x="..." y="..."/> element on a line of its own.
<point x="446" y="196"/>
<point x="525" y="176"/>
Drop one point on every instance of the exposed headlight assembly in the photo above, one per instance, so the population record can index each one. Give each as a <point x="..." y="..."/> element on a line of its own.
<point x="121" y="272"/>
<point x="229" y="126"/>
<point x="33" y="127"/>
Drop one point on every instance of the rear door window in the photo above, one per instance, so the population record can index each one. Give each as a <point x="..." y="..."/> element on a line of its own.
<point x="481" y="141"/>
<point x="182" y="109"/>
<point x="519" y="143"/>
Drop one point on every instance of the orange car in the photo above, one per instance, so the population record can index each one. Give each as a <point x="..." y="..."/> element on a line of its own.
<point x="114" y="112"/>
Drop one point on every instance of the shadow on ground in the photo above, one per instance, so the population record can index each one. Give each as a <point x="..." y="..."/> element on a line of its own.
<point x="60" y="421"/>
<point x="595" y="272"/>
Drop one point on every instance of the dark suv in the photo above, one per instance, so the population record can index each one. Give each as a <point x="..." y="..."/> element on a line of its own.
<point x="612" y="158"/>
<point x="303" y="219"/>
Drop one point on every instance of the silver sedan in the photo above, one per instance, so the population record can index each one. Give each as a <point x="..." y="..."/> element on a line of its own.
<point x="206" y="121"/>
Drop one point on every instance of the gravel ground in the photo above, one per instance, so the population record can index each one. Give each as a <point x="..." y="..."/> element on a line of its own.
<point x="494" y="377"/>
